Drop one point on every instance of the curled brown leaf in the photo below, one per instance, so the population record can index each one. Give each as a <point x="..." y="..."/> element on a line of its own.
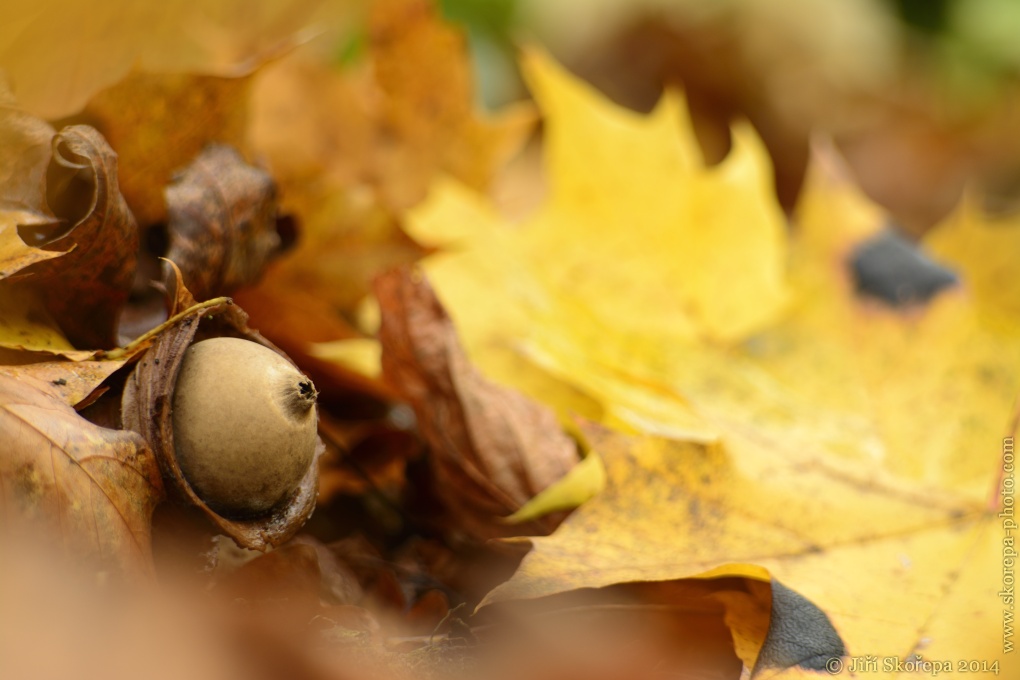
<point x="25" y="145"/>
<point x="86" y="288"/>
<point x="222" y="222"/>
<point x="492" y="449"/>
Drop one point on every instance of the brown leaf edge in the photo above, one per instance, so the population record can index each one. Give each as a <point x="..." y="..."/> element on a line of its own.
<point x="146" y="409"/>
<point x="492" y="448"/>
<point x="87" y="288"/>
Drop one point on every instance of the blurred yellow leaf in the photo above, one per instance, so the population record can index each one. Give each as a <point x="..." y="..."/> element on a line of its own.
<point x="361" y="355"/>
<point x="428" y="104"/>
<point x="59" y="53"/>
<point x="638" y="245"/>
<point x="782" y="426"/>
<point x="645" y="236"/>
<point x="985" y="251"/>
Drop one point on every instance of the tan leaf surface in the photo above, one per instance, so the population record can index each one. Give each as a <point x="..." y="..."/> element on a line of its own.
<point x="491" y="448"/>
<point x="62" y="620"/>
<point x="98" y="487"/>
<point x="72" y="381"/>
<point x="59" y="53"/>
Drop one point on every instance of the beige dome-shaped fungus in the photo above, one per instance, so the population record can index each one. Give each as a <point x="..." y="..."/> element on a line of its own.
<point x="244" y="424"/>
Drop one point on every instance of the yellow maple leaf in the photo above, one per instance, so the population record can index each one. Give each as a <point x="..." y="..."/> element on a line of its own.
<point x="783" y="427"/>
<point x="644" y="236"/>
<point x="985" y="251"/>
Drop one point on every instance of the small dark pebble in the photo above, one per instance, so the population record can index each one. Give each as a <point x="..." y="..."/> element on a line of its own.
<point x="893" y="269"/>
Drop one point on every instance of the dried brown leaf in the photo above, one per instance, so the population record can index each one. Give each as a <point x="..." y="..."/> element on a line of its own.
<point x="303" y="571"/>
<point x="492" y="449"/>
<point x="24" y="156"/>
<point x="222" y="222"/>
<point x="86" y="289"/>
<point x="625" y="633"/>
<point x="71" y="381"/>
<point x="364" y="458"/>
<point x="428" y="104"/>
<point x="97" y="486"/>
